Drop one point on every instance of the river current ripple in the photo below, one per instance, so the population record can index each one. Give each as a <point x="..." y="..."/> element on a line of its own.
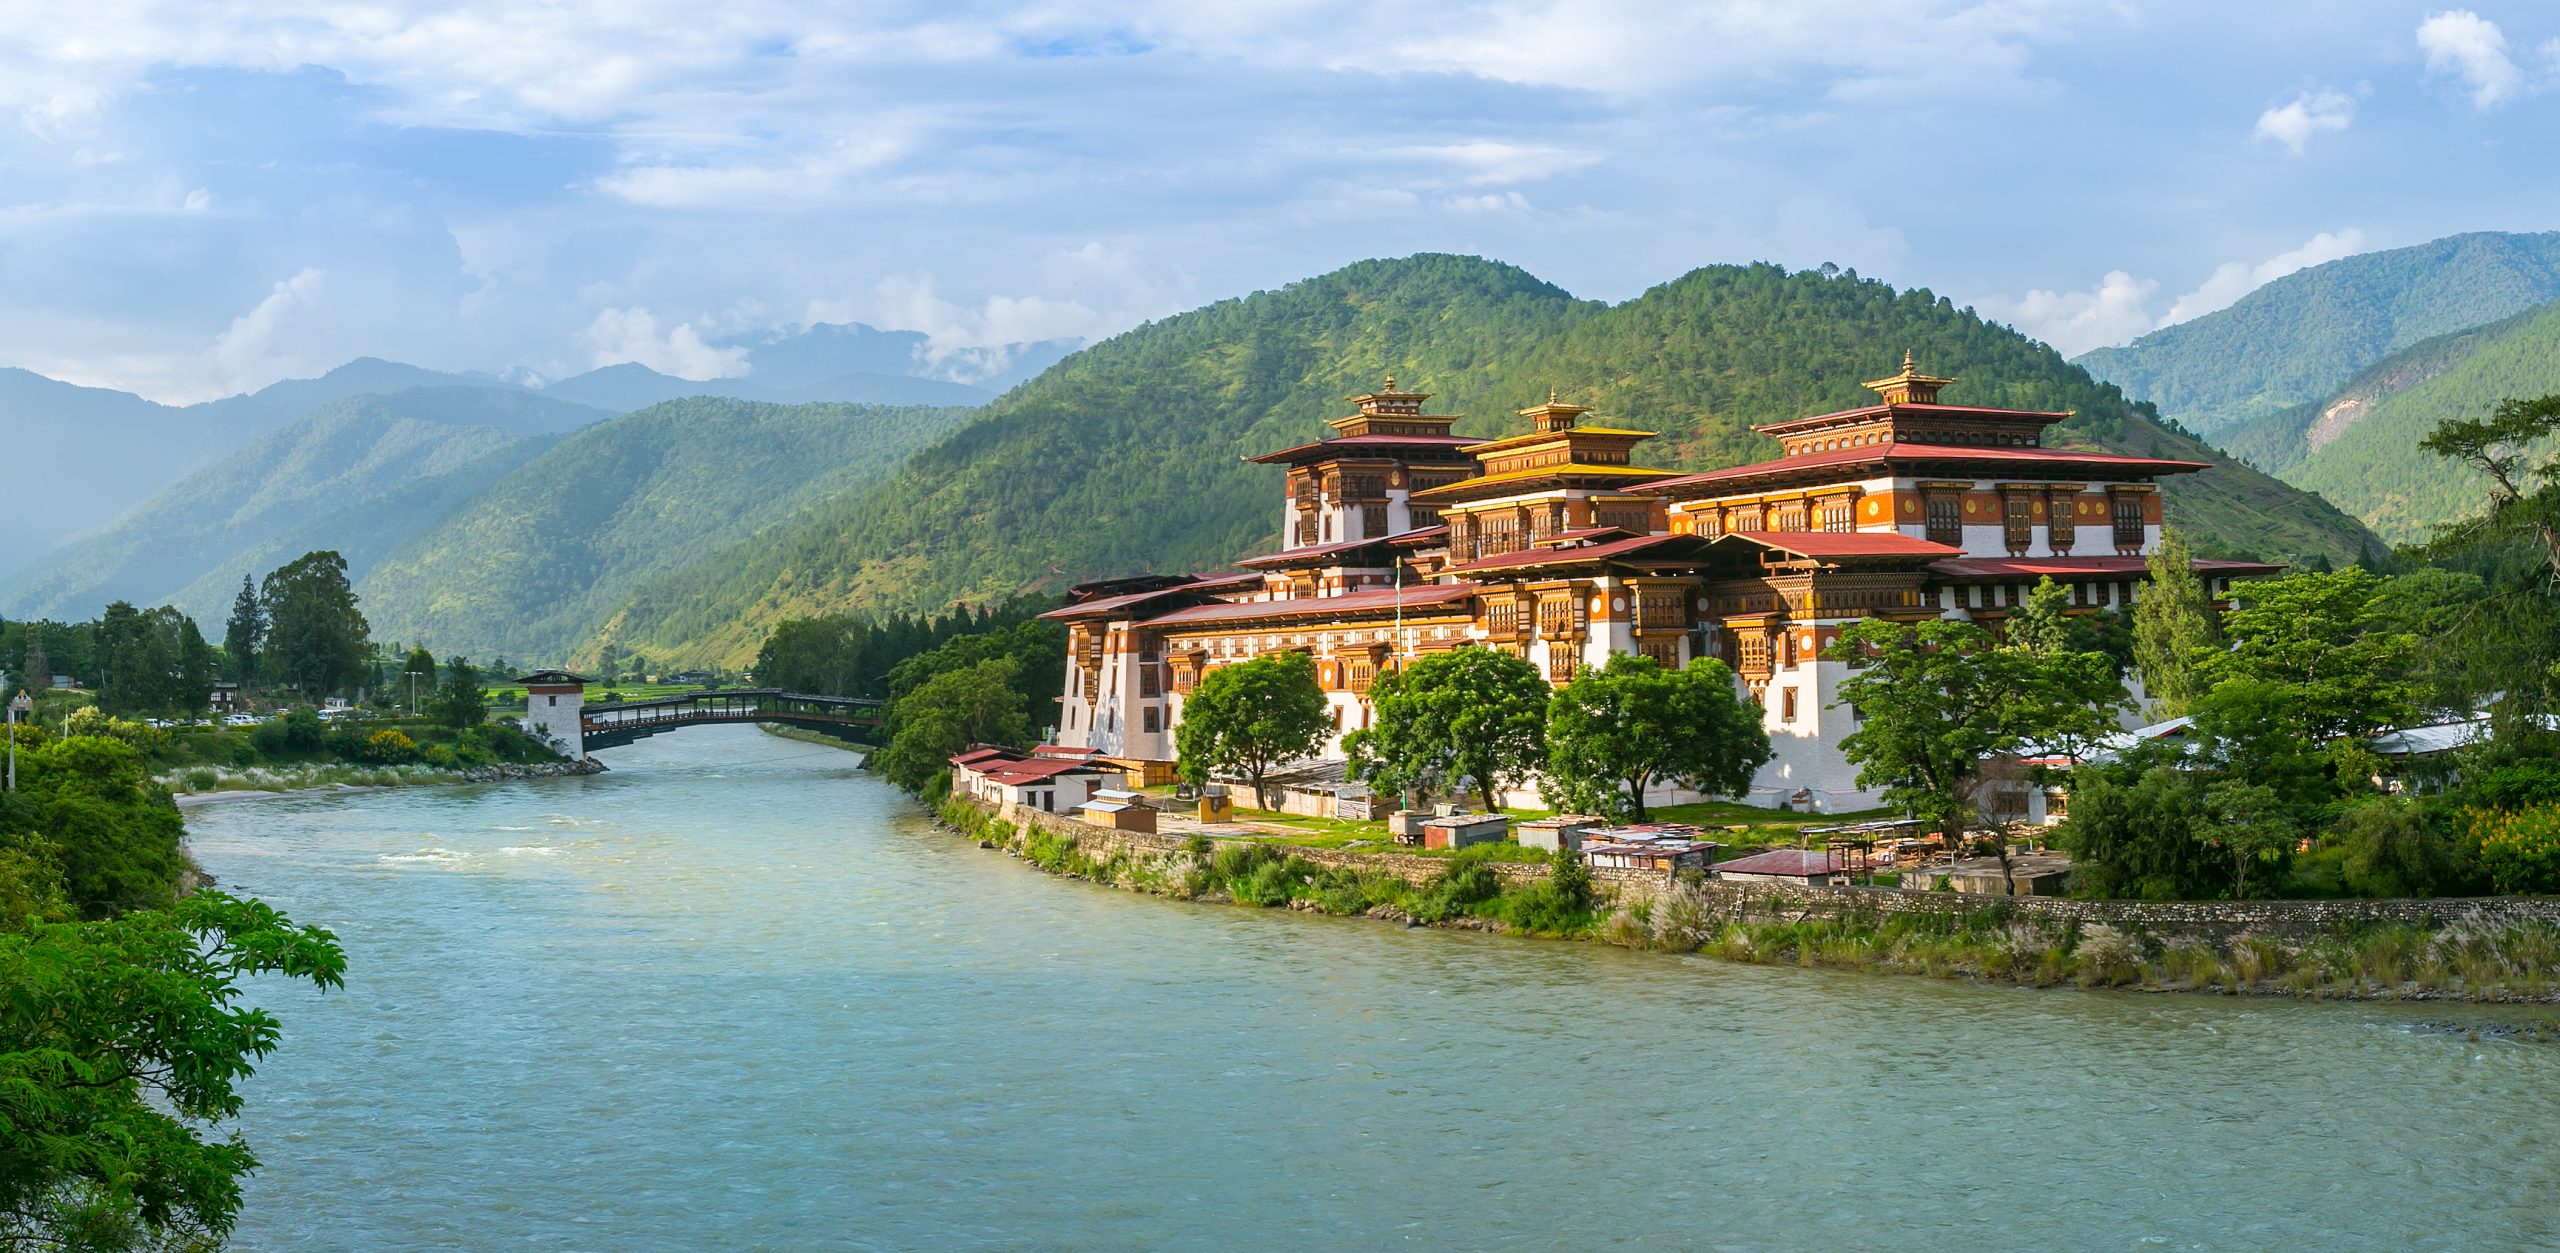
<point x="734" y="994"/>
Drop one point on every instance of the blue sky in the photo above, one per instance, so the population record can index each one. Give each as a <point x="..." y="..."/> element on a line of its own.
<point x="203" y="197"/>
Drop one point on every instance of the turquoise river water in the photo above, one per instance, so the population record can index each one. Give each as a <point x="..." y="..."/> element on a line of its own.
<point x="735" y="994"/>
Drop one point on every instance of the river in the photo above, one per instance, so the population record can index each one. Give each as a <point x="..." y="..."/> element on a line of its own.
<point x="735" y="994"/>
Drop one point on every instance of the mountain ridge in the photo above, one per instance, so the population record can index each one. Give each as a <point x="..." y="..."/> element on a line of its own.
<point x="2300" y="338"/>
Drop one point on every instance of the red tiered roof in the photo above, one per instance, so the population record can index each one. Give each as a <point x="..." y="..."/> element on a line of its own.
<point x="1615" y="550"/>
<point x="1823" y="545"/>
<point x="1378" y="600"/>
<point x="1925" y="457"/>
<point x="1354" y="445"/>
<point x="2065" y="569"/>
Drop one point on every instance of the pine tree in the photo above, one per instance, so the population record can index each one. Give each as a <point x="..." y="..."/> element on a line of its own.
<point x="246" y="632"/>
<point x="2173" y="630"/>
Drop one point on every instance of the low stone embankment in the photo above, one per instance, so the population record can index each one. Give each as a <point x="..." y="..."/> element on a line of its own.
<point x="2501" y="949"/>
<point x="539" y="770"/>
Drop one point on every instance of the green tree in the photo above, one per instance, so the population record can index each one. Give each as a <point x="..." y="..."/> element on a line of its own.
<point x="460" y="701"/>
<point x="2043" y="624"/>
<point x="2174" y="630"/>
<point x="2394" y="848"/>
<point x="1251" y="716"/>
<point x="125" y="1041"/>
<point x="316" y="637"/>
<point x="2513" y="449"/>
<point x="1614" y="732"/>
<point x="2247" y="730"/>
<point x="245" y="633"/>
<point x="418" y="677"/>
<point x="2339" y="660"/>
<point x="1937" y="699"/>
<point x="1469" y="715"/>
<point x="2249" y="825"/>
<point x="2139" y="831"/>
<point x="951" y="711"/>
<point x="87" y="806"/>
<point x="821" y="656"/>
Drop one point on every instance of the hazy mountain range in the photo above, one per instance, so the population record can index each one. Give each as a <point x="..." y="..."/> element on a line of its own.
<point x="87" y="455"/>
<point x="552" y="525"/>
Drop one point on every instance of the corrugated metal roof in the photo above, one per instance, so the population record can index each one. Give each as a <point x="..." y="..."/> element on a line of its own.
<point x="1784" y="861"/>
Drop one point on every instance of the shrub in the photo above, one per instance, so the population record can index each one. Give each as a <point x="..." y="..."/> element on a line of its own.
<point x="390" y="747"/>
<point x="1465" y="884"/>
<point x="2393" y="849"/>
<point x="2518" y="785"/>
<point x="2519" y="849"/>
<point x="438" y="756"/>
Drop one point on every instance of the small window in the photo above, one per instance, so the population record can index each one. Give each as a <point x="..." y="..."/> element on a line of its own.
<point x="1787" y="706"/>
<point x="1152" y="721"/>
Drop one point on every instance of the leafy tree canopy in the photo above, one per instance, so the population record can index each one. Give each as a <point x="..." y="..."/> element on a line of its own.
<point x="1251" y="716"/>
<point x="1631" y="725"/>
<point x="1467" y="717"/>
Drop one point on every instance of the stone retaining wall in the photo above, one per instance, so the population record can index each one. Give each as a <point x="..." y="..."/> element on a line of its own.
<point x="1771" y="902"/>
<point x="1774" y="902"/>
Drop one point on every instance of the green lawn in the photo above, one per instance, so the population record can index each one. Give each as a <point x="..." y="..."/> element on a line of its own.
<point x="1764" y="828"/>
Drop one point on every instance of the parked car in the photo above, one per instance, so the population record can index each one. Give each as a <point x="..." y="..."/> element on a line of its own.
<point x="242" y="720"/>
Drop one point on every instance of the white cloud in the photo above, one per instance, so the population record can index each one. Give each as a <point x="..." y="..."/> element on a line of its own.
<point x="620" y="335"/>
<point x="2307" y="115"/>
<point x="2233" y="279"/>
<point x="2471" y="47"/>
<point x="2074" y="322"/>
<point x="2119" y="308"/>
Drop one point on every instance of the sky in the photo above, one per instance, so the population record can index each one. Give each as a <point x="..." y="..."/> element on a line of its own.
<point x="205" y="196"/>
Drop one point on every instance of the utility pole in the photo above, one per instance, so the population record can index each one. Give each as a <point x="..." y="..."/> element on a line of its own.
<point x="17" y="709"/>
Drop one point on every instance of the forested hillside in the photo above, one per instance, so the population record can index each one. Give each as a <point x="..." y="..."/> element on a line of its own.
<point x="1125" y="456"/>
<point x="2300" y="338"/>
<point x="190" y="544"/>
<point x="2360" y="448"/>
<point x="539" y="561"/>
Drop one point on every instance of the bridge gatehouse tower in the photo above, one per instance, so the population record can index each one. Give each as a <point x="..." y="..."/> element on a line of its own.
<point x="555" y="703"/>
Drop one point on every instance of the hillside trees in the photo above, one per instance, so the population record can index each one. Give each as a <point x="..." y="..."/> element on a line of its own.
<point x="317" y="640"/>
<point x="1467" y="717"/>
<point x="1631" y="725"/>
<point x="1251" y="716"/>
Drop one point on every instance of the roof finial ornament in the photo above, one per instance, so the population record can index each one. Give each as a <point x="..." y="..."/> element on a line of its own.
<point x="1391" y="380"/>
<point x="1908" y="365"/>
<point x="1551" y="395"/>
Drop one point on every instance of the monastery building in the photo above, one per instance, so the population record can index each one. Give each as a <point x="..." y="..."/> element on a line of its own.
<point x="1559" y="547"/>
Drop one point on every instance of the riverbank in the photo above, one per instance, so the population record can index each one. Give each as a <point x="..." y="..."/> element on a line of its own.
<point x="2502" y="951"/>
<point x="193" y="787"/>
<point x="819" y="738"/>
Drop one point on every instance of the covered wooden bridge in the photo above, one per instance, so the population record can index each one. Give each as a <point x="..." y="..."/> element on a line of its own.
<point x="616" y="723"/>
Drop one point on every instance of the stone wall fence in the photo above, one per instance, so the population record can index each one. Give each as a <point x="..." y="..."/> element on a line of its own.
<point x="1776" y="902"/>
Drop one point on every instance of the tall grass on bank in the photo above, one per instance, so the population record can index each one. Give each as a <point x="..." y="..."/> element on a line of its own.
<point x="295" y="777"/>
<point x="2468" y="958"/>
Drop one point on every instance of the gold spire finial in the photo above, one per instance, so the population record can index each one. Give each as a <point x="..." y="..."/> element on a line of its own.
<point x="1391" y="380"/>
<point x="1910" y="387"/>
<point x="1551" y="395"/>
